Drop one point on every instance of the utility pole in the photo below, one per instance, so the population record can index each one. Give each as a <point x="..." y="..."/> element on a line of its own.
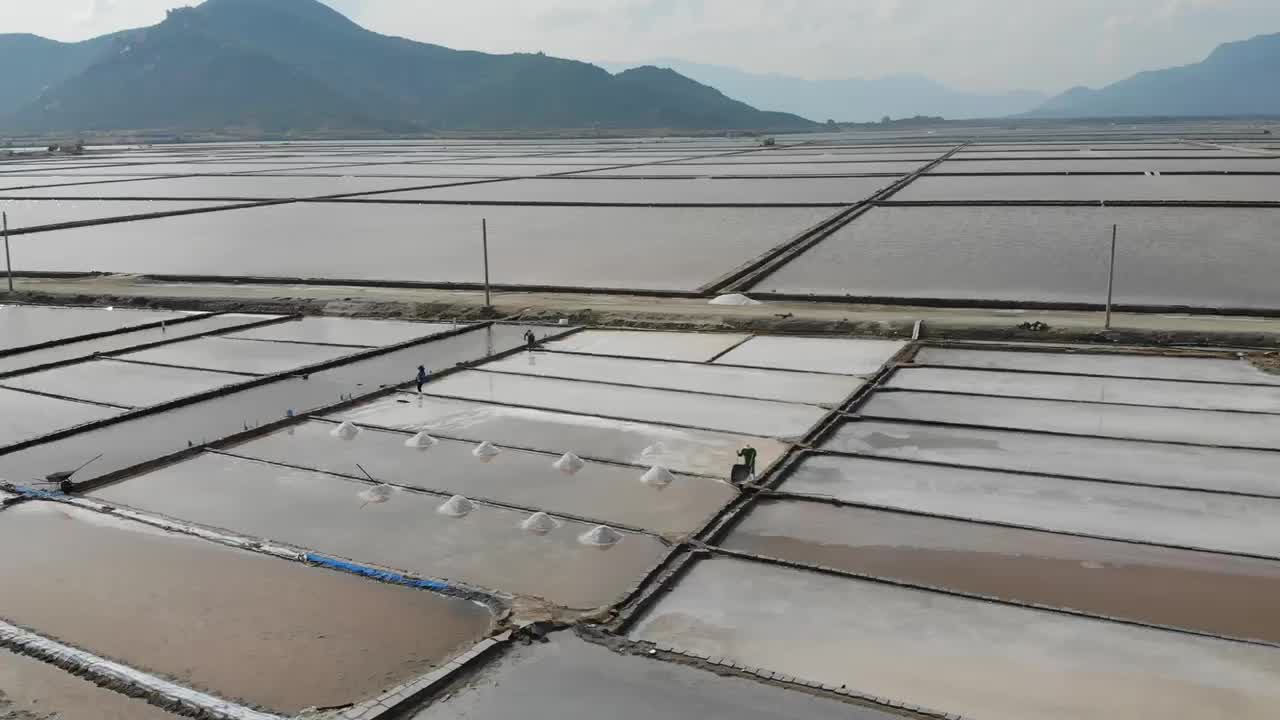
<point x="1111" y="279"/>
<point x="484" y="234"/>
<point x="8" y="265"/>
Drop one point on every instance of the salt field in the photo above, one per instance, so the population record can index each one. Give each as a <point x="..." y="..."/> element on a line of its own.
<point x="284" y="638"/>
<point x="570" y="678"/>
<point x="1195" y="369"/>
<point x="1183" y="518"/>
<point x="1196" y="427"/>
<point x="969" y="657"/>
<point x="607" y="492"/>
<point x="561" y="213"/>
<point x="27" y="325"/>
<point x="27" y="415"/>
<point x="689" y="347"/>
<point x="748" y="416"/>
<point x="239" y="356"/>
<point x="797" y="387"/>
<point x="1198" y="591"/>
<point x="335" y="516"/>
<point x="122" y="384"/>
<point x="1120" y="391"/>
<point x="32" y="689"/>
<point x="679" y="449"/>
<point x="1045" y="254"/>
<point x="231" y="458"/>
<point x="1145" y="463"/>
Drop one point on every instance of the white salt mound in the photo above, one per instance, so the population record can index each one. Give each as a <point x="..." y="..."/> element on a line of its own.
<point x="456" y="506"/>
<point x="570" y="464"/>
<point x="601" y="536"/>
<point x="421" y="441"/>
<point x="378" y="494"/>
<point x="345" y="431"/>
<point x="658" y="477"/>
<point x="735" y="299"/>
<point x="540" y="523"/>
<point x="486" y="451"/>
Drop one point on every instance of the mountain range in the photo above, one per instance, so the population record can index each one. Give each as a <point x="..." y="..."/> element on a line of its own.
<point x="281" y="65"/>
<point x="853" y="99"/>
<point x="1237" y="79"/>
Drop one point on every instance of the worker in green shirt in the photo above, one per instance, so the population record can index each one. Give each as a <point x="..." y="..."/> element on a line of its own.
<point x="748" y="455"/>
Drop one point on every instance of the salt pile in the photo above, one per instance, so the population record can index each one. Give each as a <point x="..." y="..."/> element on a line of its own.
<point x="601" y="536"/>
<point x="486" y="451"/>
<point x="377" y="495"/>
<point x="345" y="431"/>
<point x="570" y="464"/>
<point x="421" y="441"/>
<point x="456" y="506"/>
<point x="540" y="523"/>
<point x="658" y="477"/>
<point x="735" y="299"/>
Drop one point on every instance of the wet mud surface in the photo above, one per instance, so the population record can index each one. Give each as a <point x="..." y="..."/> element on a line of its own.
<point x="33" y="690"/>
<point x="258" y="630"/>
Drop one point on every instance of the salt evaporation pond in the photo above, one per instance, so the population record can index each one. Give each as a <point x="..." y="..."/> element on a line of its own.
<point x="34" y="690"/>
<point x="1146" y="463"/>
<point x="1221" y="256"/>
<point x="1205" y="592"/>
<point x="744" y="415"/>
<point x="344" y="331"/>
<point x="958" y="655"/>
<point x="605" y="492"/>
<point x="1196" y="369"/>
<point x="528" y="245"/>
<point x="677" y="191"/>
<point x="242" y="356"/>
<point x="1078" y="388"/>
<point x="121" y="383"/>
<point x="1209" y="521"/>
<point x="245" y="627"/>
<point x="1093" y="187"/>
<point x="678" y="449"/>
<point x="1197" y="427"/>
<point x="795" y="387"/>
<point x="25" y="325"/>
<point x="27" y="415"/>
<point x="843" y="356"/>
<point x="687" y="347"/>
<point x="566" y="677"/>
<point x="326" y="514"/>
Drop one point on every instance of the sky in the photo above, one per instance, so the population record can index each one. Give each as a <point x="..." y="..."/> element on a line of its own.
<point x="1047" y="45"/>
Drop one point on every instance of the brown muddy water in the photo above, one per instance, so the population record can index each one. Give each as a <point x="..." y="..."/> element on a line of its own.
<point x="1217" y="594"/>
<point x="33" y="690"/>
<point x="258" y="630"/>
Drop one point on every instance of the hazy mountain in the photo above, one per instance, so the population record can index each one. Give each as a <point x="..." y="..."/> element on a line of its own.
<point x="33" y="64"/>
<point x="853" y="100"/>
<point x="1238" y="78"/>
<point x="278" y="65"/>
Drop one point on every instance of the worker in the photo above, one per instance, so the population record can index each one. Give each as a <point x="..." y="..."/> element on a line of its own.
<point x="422" y="377"/>
<point x="530" y="340"/>
<point x="748" y="455"/>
